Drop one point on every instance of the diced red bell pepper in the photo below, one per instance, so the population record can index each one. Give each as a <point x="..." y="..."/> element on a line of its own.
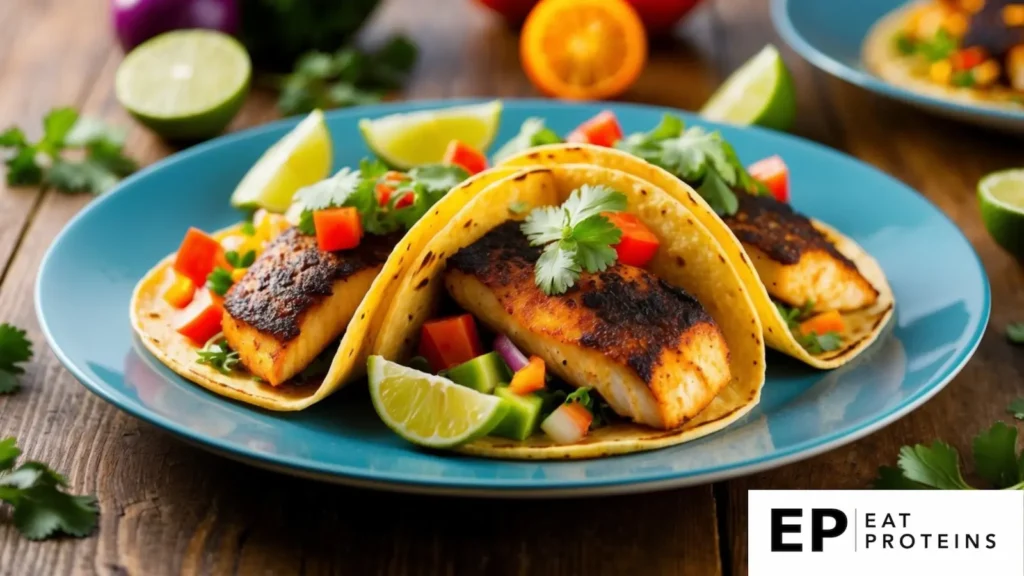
<point x="197" y="256"/>
<point x="459" y="154"/>
<point x="529" y="378"/>
<point x="405" y="200"/>
<point x="338" y="228"/>
<point x="601" y="130"/>
<point x="638" y="244"/>
<point x="181" y="291"/>
<point x="202" y="319"/>
<point x="772" y="171"/>
<point x="821" y="324"/>
<point x="967" y="58"/>
<point x="449" y="342"/>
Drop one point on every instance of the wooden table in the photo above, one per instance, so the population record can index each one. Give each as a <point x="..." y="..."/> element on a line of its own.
<point x="169" y="508"/>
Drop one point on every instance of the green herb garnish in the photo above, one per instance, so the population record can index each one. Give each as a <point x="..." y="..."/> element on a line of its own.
<point x="219" y="355"/>
<point x="941" y="47"/>
<point x="962" y="79"/>
<point x="575" y="235"/>
<point x="532" y="133"/>
<point x="1015" y="332"/>
<point x="1016" y="409"/>
<point x="240" y="261"/>
<point x="248" y="228"/>
<point x="219" y="281"/>
<point x="938" y="465"/>
<point x="700" y="158"/>
<point x="41" y="507"/>
<point x="814" y="343"/>
<point x="15" y="349"/>
<point x="594" y="403"/>
<point x="348" y="77"/>
<point x="101" y="166"/>
<point x="905" y="44"/>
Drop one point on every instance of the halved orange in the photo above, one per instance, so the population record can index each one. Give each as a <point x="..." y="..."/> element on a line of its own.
<point x="583" y="49"/>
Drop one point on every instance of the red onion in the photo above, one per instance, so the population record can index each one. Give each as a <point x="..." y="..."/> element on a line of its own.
<point x="136" y="21"/>
<point x="509" y="353"/>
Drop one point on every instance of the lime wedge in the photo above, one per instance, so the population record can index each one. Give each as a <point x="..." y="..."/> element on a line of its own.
<point x="760" y="92"/>
<point x="408" y="140"/>
<point x="429" y="410"/>
<point x="301" y="158"/>
<point x="1001" y="197"/>
<point x="185" y="85"/>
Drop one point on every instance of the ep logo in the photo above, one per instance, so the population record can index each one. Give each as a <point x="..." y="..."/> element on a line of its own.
<point x="824" y="523"/>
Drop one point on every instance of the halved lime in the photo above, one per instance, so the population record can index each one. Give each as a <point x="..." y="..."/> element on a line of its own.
<point x="759" y="92"/>
<point x="416" y="138"/>
<point x="301" y="158"/>
<point x="186" y="84"/>
<point x="1001" y="197"/>
<point x="429" y="410"/>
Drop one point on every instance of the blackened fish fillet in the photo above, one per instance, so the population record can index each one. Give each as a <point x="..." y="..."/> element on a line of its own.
<point x="649" y="348"/>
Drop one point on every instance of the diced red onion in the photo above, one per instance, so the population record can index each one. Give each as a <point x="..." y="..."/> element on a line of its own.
<point x="515" y="359"/>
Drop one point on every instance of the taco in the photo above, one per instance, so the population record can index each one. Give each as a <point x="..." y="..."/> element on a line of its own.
<point x="645" y="346"/>
<point x="967" y="52"/>
<point x="276" y="313"/>
<point x="820" y="297"/>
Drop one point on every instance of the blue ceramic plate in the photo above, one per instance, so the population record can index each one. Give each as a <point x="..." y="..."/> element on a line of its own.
<point x="87" y="277"/>
<point x="831" y="34"/>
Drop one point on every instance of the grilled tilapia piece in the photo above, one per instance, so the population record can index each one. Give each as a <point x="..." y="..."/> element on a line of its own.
<point x="295" y="300"/>
<point x="649" y="348"/>
<point x="794" y="260"/>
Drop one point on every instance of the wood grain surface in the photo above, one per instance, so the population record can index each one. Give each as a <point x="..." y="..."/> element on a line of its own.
<point x="169" y="508"/>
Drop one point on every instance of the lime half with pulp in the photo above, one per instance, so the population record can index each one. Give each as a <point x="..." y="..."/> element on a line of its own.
<point x="185" y="85"/>
<point x="760" y="92"/>
<point x="415" y="138"/>
<point x="429" y="410"/>
<point x="1001" y="197"/>
<point x="301" y="158"/>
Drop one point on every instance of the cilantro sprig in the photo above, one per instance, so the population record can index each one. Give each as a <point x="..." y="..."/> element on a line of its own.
<point x="219" y="355"/>
<point x="95" y="164"/>
<point x="532" y="133"/>
<point x="42" y="508"/>
<point x="1015" y="332"/>
<point x="357" y="188"/>
<point x="575" y="236"/>
<point x="937" y="465"/>
<point x="15" y="349"/>
<point x="701" y="158"/>
<point x="349" y="77"/>
<point x="813" y="342"/>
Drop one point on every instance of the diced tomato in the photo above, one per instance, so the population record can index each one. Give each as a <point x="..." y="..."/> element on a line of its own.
<point x="197" y="256"/>
<point x="638" y="244"/>
<point x="601" y="130"/>
<point x="181" y="291"/>
<point x="466" y="156"/>
<point x="202" y="319"/>
<point x="529" y="378"/>
<point x="337" y="228"/>
<point x="449" y="342"/>
<point x="568" y="424"/>
<point x="393" y="176"/>
<point x="406" y="200"/>
<point x="384" y="192"/>
<point x="823" y="323"/>
<point x="967" y="58"/>
<point x="772" y="171"/>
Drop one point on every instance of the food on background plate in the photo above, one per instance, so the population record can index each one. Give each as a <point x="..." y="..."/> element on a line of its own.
<point x="969" y="51"/>
<point x="599" y="356"/>
<point x="185" y="85"/>
<point x="276" y="312"/>
<point x="821" y="298"/>
<point x="583" y="49"/>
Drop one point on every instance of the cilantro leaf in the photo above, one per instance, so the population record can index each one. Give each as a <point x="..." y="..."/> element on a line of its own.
<point x="671" y="126"/>
<point x="439" y="178"/>
<point x="718" y="195"/>
<point x="240" y="260"/>
<point x="817" y="343"/>
<point x="85" y="176"/>
<point x="56" y="126"/>
<point x="995" y="455"/>
<point x="15" y="349"/>
<point x="41" y="507"/>
<point x="219" y="355"/>
<point x="219" y="281"/>
<point x="590" y="201"/>
<point x="581" y="396"/>
<point x="1016" y="408"/>
<point x="88" y="131"/>
<point x="890" y="478"/>
<point x="532" y="133"/>
<point x="23" y="169"/>
<point x="13" y="137"/>
<point x="1015" y="332"/>
<point x="937" y="466"/>
<point x="330" y="193"/>
<point x="556" y="270"/>
<point x="544" y="224"/>
<point x="594" y="238"/>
